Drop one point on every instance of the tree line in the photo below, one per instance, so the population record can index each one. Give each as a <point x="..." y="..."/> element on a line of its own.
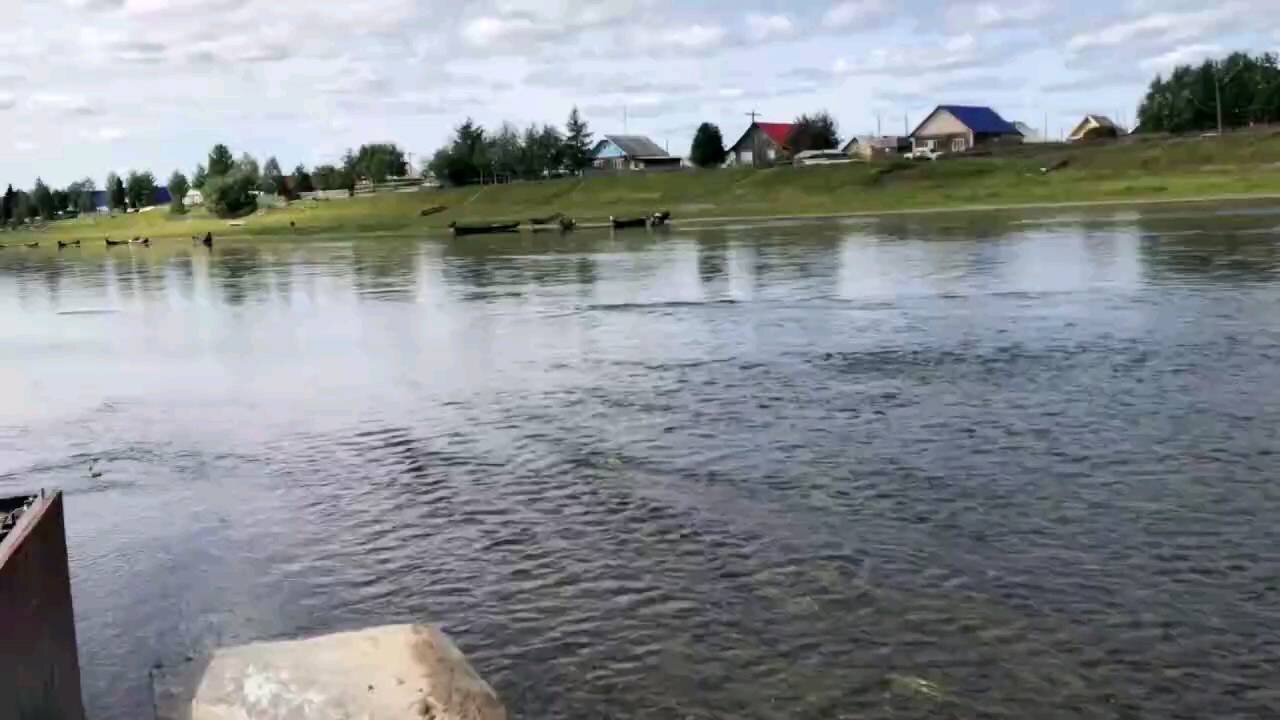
<point x="1187" y="99"/>
<point x="229" y="186"/>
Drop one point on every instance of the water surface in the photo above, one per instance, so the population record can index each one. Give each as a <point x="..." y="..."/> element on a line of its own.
<point x="1014" y="466"/>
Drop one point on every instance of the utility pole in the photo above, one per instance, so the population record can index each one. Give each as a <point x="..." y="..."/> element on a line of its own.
<point x="906" y="126"/>
<point x="624" y="119"/>
<point x="1218" y="82"/>
<point x="878" y="133"/>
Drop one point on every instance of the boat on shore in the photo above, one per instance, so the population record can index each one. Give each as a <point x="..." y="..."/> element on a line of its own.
<point x="483" y="228"/>
<point x="651" y="220"/>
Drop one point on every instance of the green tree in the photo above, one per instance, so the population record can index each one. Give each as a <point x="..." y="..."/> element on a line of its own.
<point x="708" y="147"/>
<point x="248" y="167"/>
<point x="814" y="132"/>
<point x="272" y="181"/>
<point x="377" y="162"/>
<point x="140" y="188"/>
<point x="42" y="200"/>
<point x="1187" y="100"/>
<point x="80" y="195"/>
<point x="463" y="161"/>
<point x="302" y="180"/>
<point x="327" y="177"/>
<point x="504" y="151"/>
<point x="230" y="195"/>
<point x="220" y="161"/>
<point x="577" y="142"/>
<point x="199" y="176"/>
<point x="7" y="205"/>
<point x="116" y="197"/>
<point x="178" y="188"/>
<point x="61" y="202"/>
<point x="541" y="152"/>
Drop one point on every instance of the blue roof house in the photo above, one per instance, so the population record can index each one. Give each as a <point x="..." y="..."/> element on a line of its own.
<point x="961" y="128"/>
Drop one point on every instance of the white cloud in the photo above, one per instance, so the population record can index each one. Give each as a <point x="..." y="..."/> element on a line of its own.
<point x="24" y="146"/>
<point x="69" y="104"/>
<point x="987" y="15"/>
<point x="488" y="31"/>
<point x="1162" y="27"/>
<point x="955" y="52"/>
<point x="765" y="27"/>
<point x="854" y="12"/>
<point x="694" y="38"/>
<point x="1182" y="55"/>
<point x="7" y="101"/>
<point x="109" y="134"/>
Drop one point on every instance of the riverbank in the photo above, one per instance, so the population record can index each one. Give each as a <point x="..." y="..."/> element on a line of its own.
<point x="1242" y="166"/>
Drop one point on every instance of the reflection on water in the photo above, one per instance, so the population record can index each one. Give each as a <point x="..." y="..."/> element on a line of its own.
<point x="963" y="466"/>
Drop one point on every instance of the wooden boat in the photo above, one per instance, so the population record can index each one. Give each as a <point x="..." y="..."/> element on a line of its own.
<point x="548" y="220"/>
<point x="659" y="218"/>
<point x="113" y="243"/>
<point x="484" y="228"/>
<point x="33" y="244"/>
<point x="436" y="209"/>
<point x="623" y="223"/>
<point x="563" y="224"/>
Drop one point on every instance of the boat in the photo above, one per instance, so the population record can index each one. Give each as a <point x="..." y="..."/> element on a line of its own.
<point x="427" y="212"/>
<point x="484" y="228"/>
<point x="113" y="243"/>
<point x="659" y="218"/>
<point x="33" y="244"/>
<point x="548" y="220"/>
<point x="563" y="224"/>
<point x="623" y="223"/>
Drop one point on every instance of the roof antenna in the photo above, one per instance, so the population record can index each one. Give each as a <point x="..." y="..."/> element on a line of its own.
<point x="753" y="115"/>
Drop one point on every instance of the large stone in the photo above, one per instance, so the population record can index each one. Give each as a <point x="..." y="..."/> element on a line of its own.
<point x="386" y="673"/>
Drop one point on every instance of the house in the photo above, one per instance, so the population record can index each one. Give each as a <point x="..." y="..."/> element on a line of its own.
<point x="193" y="198"/>
<point x="961" y="128"/>
<point x="1029" y="134"/>
<point x="631" y="152"/>
<point x="870" y="147"/>
<point x="1094" y="127"/>
<point x="763" y="144"/>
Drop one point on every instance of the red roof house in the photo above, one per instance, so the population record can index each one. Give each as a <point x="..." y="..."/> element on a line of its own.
<point x="763" y="144"/>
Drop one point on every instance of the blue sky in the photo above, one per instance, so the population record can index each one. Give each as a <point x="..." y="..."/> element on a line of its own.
<point x="91" y="86"/>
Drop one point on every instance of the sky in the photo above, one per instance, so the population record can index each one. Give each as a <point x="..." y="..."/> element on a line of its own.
<point x="93" y="86"/>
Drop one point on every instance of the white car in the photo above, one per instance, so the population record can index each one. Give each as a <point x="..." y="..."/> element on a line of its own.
<point x="923" y="153"/>
<point x="821" y="157"/>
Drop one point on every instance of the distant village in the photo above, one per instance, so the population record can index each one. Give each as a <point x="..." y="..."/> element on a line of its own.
<point x="949" y="129"/>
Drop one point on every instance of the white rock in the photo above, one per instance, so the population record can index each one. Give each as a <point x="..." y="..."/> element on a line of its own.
<point x="386" y="673"/>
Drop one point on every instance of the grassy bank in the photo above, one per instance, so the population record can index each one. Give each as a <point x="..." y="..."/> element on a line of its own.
<point x="1242" y="164"/>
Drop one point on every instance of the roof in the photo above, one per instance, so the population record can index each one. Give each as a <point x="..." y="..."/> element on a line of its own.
<point x="1102" y="121"/>
<point x="977" y="118"/>
<point x="891" y="142"/>
<point x="777" y="132"/>
<point x="1026" y="130"/>
<point x="637" y="145"/>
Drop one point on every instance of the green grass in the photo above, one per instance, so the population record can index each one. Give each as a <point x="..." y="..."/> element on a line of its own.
<point x="1246" y="163"/>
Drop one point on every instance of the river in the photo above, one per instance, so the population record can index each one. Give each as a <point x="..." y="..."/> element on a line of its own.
<point x="1008" y="466"/>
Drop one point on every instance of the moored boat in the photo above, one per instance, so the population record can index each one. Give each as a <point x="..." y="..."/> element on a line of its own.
<point x="483" y="228"/>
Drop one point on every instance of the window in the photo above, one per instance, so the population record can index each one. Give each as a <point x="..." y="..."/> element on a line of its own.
<point x="958" y="145"/>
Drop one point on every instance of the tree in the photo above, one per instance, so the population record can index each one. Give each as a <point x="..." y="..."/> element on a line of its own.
<point x="230" y="195"/>
<point x="327" y="177"/>
<point x="272" y="181"/>
<point x="814" y="132"/>
<point x="199" y="176"/>
<point x="7" y="206"/>
<point x="708" y="147"/>
<point x="504" y="151"/>
<point x="220" y="161"/>
<point x="140" y="188"/>
<point x="42" y="200"/>
<point x="60" y="201"/>
<point x="23" y="208"/>
<point x="465" y="159"/>
<point x="302" y="180"/>
<point x="115" y="192"/>
<point x="577" y="142"/>
<point x="178" y="188"/>
<point x="377" y="162"/>
<point x="248" y="167"/>
<point x="541" y="152"/>
<point x="80" y="196"/>
<point x="1236" y="91"/>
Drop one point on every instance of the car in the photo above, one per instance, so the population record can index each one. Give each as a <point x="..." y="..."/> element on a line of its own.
<point x="923" y="153"/>
<point x="821" y="157"/>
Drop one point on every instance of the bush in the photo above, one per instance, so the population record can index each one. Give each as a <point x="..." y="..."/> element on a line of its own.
<point x="230" y="195"/>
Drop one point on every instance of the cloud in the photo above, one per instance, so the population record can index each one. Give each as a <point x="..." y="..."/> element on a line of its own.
<point x="68" y="104"/>
<point x="489" y="31"/>
<point x="767" y="27"/>
<point x="849" y="13"/>
<point x="991" y="15"/>
<point x="955" y="52"/>
<point x="7" y="101"/>
<point x="1155" y="29"/>
<point x="24" y="145"/>
<point x="1182" y="55"/>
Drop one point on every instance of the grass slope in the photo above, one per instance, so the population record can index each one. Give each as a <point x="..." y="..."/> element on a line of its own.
<point x="1246" y="163"/>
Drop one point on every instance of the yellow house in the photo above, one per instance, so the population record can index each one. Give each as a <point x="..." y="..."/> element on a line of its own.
<point x="1094" y="127"/>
